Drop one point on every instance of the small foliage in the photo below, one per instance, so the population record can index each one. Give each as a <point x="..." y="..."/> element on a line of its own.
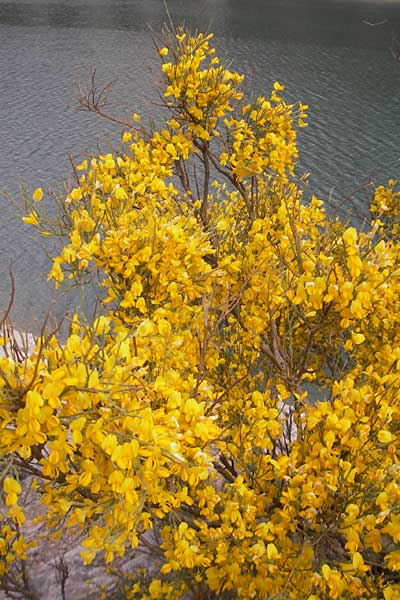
<point x="238" y="393"/>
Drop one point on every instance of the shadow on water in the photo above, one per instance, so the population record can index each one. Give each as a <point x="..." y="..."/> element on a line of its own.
<point x="328" y="22"/>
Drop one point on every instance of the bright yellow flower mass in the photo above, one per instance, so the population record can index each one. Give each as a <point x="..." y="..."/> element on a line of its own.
<point x="237" y="391"/>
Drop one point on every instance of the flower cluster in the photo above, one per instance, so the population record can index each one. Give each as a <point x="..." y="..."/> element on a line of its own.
<point x="238" y="391"/>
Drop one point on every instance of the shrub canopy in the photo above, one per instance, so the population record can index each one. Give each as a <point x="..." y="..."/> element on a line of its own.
<point x="237" y="393"/>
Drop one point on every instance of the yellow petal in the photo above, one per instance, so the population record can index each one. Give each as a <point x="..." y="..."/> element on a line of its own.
<point x="126" y="137"/>
<point x="37" y="194"/>
<point x="164" y="327"/>
<point x="358" y="338"/>
<point x="385" y="437"/>
<point x="10" y="485"/>
<point x="272" y="552"/>
<point x="350" y="236"/>
<point x="358" y="560"/>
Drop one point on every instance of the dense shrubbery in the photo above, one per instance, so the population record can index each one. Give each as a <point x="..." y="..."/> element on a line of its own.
<point x="183" y="408"/>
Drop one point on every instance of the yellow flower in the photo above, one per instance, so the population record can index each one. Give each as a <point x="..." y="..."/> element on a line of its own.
<point x="358" y="338"/>
<point x="83" y="166"/>
<point x="126" y="137"/>
<point x="17" y="515"/>
<point x="385" y="437"/>
<point x="164" y="327"/>
<point x="272" y="552"/>
<point x="391" y="593"/>
<point x="350" y="236"/>
<point x="88" y="556"/>
<point x="192" y="408"/>
<point x="12" y="489"/>
<point x="31" y="219"/>
<point x="182" y="397"/>
<point x="358" y="562"/>
<point x="37" y="194"/>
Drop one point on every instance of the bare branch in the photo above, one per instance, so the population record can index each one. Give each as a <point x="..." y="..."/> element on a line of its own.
<point x="94" y="98"/>
<point x="11" y="300"/>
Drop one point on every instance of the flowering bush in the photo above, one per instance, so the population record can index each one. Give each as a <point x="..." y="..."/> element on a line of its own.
<point x="238" y="392"/>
